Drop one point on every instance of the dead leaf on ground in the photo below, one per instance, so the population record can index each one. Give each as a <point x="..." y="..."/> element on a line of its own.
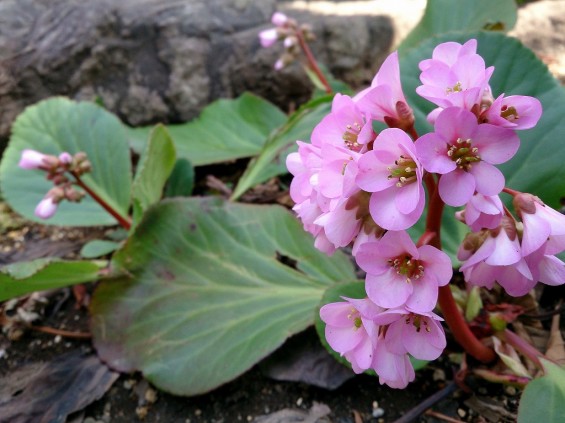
<point x="304" y="359"/>
<point x="492" y="410"/>
<point x="48" y="392"/>
<point x="555" y="345"/>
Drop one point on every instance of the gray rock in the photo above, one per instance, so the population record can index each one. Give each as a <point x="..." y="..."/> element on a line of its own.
<point x="164" y="60"/>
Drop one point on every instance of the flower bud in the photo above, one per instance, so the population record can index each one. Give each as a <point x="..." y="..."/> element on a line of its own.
<point x="279" y="19"/>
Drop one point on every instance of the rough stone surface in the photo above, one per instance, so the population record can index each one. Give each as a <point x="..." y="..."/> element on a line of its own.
<point x="541" y="27"/>
<point x="164" y="60"/>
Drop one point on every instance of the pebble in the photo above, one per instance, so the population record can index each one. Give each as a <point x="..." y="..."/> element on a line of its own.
<point x="197" y="412"/>
<point x="299" y="401"/>
<point x="249" y="418"/>
<point x="462" y="413"/>
<point x="128" y="384"/>
<point x="151" y="395"/>
<point x="57" y="339"/>
<point x="439" y="375"/>
<point x="378" y="412"/>
<point x="510" y="390"/>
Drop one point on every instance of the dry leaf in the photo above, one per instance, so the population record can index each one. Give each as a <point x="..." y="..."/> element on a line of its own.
<point x="49" y="392"/>
<point x="555" y="345"/>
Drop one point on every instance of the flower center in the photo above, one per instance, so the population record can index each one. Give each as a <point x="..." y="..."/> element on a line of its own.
<point x="418" y="321"/>
<point x="351" y="135"/>
<point x="509" y="113"/>
<point x="463" y="154"/>
<point x="354" y="315"/>
<point x="406" y="266"/>
<point x="455" y="89"/>
<point x="404" y="170"/>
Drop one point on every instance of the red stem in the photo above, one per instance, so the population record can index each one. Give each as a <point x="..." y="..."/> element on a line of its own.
<point x="510" y="191"/>
<point x="312" y="61"/>
<point x="125" y="222"/>
<point x="453" y="317"/>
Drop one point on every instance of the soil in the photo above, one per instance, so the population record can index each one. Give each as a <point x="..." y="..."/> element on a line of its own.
<point x="253" y="397"/>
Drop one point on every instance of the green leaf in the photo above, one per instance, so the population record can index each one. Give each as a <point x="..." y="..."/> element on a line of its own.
<point x="155" y="166"/>
<point x="474" y="303"/>
<point x="181" y="181"/>
<point x="442" y="16"/>
<point x="56" y="125"/>
<point x="98" y="248"/>
<point x="48" y="273"/>
<point x="537" y="167"/>
<point x="226" y="130"/>
<point x="272" y="159"/>
<point x="213" y="291"/>
<point x="544" y="398"/>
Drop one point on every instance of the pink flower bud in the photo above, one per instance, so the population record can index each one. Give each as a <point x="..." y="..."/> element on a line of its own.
<point x="268" y="37"/>
<point x="279" y="19"/>
<point x="46" y="208"/>
<point x="32" y="159"/>
<point x="65" y="158"/>
<point x="279" y="64"/>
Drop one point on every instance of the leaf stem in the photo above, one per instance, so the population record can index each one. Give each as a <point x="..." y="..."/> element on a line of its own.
<point x="312" y="64"/>
<point x="125" y="222"/>
<point x="525" y="348"/>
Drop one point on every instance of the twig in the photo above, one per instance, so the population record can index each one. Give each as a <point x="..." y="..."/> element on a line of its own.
<point x="441" y="416"/>
<point x="415" y="412"/>
<point x="61" y="332"/>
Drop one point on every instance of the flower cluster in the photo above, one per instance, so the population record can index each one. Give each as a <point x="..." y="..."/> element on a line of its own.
<point x="290" y="33"/>
<point x="56" y="169"/>
<point x="353" y="186"/>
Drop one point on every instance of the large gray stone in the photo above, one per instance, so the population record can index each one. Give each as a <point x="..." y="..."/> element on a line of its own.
<point x="164" y="60"/>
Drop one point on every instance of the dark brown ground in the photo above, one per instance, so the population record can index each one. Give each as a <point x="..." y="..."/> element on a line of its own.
<point x="246" y="399"/>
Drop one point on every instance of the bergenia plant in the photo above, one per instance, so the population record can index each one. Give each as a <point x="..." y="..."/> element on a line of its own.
<point x="354" y="186"/>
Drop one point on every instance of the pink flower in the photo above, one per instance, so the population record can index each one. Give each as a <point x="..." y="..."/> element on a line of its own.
<point x="392" y="172"/>
<point x="455" y="76"/>
<point x="542" y="225"/>
<point x="349" y="331"/>
<point x="515" y="111"/>
<point x="46" y="208"/>
<point x="279" y="19"/>
<point x="346" y="126"/>
<point x="495" y="256"/>
<point x="464" y="153"/>
<point x="384" y="100"/>
<point x="32" y="159"/>
<point x="65" y="158"/>
<point x="418" y="334"/>
<point x="340" y="224"/>
<point x="400" y="273"/>
<point x="268" y="37"/>
<point x="394" y="370"/>
<point x="482" y="212"/>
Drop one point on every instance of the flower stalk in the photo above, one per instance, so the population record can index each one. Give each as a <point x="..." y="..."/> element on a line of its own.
<point x="125" y="222"/>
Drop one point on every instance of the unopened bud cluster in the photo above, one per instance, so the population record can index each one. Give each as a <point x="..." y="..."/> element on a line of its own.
<point x="290" y="33"/>
<point x="57" y="169"/>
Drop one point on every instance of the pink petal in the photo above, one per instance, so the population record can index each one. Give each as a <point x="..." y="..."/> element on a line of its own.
<point x="437" y="263"/>
<point x="457" y="187"/>
<point x="384" y="212"/>
<point x="489" y="180"/>
<point x="388" y="290"/>
<point x="496" y="145"/>
<point x="336" y="314"/>
<point x="343" y="340"/>
<point x="552" y="271"/>
<point x="454" y="123"/>
<point x="536" y="232"/>
<point x="432" y="152"/>
<point x="424" y="295"/>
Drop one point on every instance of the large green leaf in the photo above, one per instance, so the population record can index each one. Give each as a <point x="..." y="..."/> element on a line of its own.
<point x="213" y="291"/>
<point x="272" y="159"/>
<point x="56" y="125"/>
<point x="538" y="165"/>
<point x="443" y="16"/>
<point x="226" y="130"/>
<point x="544" y="398"/>
<point x="154" y="168"/>
<point x="22" y="278"/>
